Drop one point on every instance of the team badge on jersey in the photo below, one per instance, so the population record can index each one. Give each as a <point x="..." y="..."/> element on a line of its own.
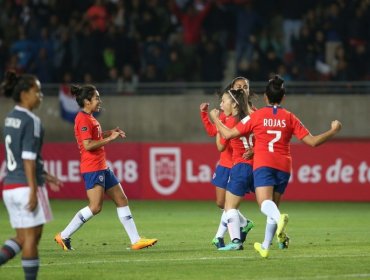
<point x="165" y="169"/>
<point x="84" y="128"/>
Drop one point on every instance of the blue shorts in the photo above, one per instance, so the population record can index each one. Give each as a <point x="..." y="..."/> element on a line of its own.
<point x="241" y="179"/>
<point x="104" y="178"/>
<point x="221" y="176"/>
<point x="267" y="176"/>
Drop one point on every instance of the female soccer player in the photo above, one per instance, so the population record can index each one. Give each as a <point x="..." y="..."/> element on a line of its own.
<point x="24" y="192"/>
<point x="99" y="179"/>
<point x="222" y="172"/>
<point x="273" y="127"/>
<point x="234" y="105"/>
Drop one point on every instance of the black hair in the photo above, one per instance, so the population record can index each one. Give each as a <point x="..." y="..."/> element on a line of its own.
<point x="14" y="84"/>
<point x="275" y="90"/>
<point x="83" y="92"/>
<point x="238" y="97"/>
<point x="232" y="83"/>
<point x="251" y="94"/>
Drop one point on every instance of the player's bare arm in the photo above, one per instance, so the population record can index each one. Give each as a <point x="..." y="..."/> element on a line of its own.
<point x="30" y="170"/>
<point x="54" y="183"/>
<point x="91" y="145"/>
<point x="317" y="140"/>
<point x="109" y="132"/>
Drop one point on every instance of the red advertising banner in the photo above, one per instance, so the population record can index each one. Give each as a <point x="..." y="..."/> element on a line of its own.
<point x="336" y="171"/>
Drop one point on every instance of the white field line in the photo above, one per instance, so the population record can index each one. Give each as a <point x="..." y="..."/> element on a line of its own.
<point x="167" y="260"/>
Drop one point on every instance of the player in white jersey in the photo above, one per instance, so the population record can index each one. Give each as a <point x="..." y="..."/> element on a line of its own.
<point x="24" y="192"/>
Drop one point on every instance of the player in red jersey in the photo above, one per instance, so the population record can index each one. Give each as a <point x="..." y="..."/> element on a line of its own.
<point x="234" y="104"/>
<point x="273" y="127"/>
<point x="222" y="172"/>
<point x="99" y="179"/>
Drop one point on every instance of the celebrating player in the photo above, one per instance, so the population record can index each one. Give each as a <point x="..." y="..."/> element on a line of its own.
<point x="99" y="179"/>
<point x="222" y="172"/>
<point x="273" y="127"/>
<point x="234" y="104"/>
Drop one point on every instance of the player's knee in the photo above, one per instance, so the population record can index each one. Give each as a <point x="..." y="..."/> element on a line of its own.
<point x="120" y="201"/>
<point x="220" y="203"/>
<point x="95" y="209"/>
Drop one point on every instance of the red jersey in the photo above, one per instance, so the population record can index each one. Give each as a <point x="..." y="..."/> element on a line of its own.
<point x="273" y="128"/>
<point x="225" y="156"/>
<point x="238" y="145"/>
<point x="87" y="127"/>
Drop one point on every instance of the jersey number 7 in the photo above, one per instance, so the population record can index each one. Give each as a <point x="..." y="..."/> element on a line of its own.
<point x="277" y="138"/>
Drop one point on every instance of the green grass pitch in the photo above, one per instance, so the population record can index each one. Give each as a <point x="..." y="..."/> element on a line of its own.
<point x="328" y="241"/>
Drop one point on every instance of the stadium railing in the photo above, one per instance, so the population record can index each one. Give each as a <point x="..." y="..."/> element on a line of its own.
<point x="170" y="88"/>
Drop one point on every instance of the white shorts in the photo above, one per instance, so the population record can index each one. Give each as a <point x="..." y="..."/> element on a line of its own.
<point x="16" y="201"/>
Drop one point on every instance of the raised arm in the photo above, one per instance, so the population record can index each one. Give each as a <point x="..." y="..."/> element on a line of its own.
<point x="317" y="140"/>
<point x="226" y="132"/>
<point x="208" y="126"/>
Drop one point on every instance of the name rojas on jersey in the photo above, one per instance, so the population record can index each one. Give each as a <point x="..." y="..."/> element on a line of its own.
<point x="268" y="122"/>
<point x="274" y="123"/>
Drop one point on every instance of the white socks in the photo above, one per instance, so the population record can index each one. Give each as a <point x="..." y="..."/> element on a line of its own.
<point x="222" y="227"/>
<point x="85" y="214"/>
<point x="269" y="208"/>
<point x="124" y="215"/>
<point x="233" y="224"/>
<point x="242" y="219"/>
<point x="78" y="220"/>
<point x="271" y="227"/>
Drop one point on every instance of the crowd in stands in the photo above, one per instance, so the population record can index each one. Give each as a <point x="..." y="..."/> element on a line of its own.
<point x="127" y="41"/>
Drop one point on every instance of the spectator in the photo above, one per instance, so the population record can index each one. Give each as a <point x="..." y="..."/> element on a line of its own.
<point x="293" y="14"/>
<point x="212" y="61"/>
<point x="141" y="33"/>
<point x="24" y="49"/>
<point x="340" y="65"/>
<point x="97" y="16"/>
<point x="175" y="71"/>
<point x="128" y="81"/>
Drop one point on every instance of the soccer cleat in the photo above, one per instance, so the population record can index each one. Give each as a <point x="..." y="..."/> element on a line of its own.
<point x="143" y="243"/>
<point x="264" y="253"/>
<point x="218" y="242"/>
<point x="244" y="230"/>
<point x="285" y="243"/>
<point x="280" y="232"/>
<point x="235" y="245"/>
<point x="64" y="243"/>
